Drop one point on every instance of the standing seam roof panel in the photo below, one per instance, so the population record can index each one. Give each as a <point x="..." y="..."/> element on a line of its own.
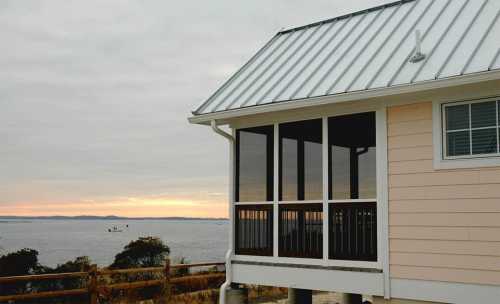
<point x="333" y="32"/>
<point x="486" y="48"/>
<point x="396" y="64"/>
<point x="235" y="84"/>
<point x="366" y="50"/>
<point x="320" y="63"/>
<point x="471" y="40"/>
<point x="263" y="68"/>
<point x="431" y="38"/>
<point x="390" y="46"/>
<point x="290" y="63"/>
<point x="278" y="85"/>
<point x="340" y="83"/>
<point x="437" y="56"/>
<point x="269" y="70"/>
<point x="367" y="20"/>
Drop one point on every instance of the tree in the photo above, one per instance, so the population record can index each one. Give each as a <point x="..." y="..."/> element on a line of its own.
<point x="143" y="252"/>
<point x="22" y="262"/>
<point x="77" y="265"/>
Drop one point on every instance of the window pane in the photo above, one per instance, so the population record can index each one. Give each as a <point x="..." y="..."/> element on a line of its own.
<point x="484" y="141"/>
<point x="313" y="171"/>
<point x="289" y="174"/>
<point x="457" y="117"/>
<point x="368" y="174"/>
<point x="352" y="163"/>
<point x="254" y="158"/>
<point x="484" y="114"/>
<point x="458" y="143"/>
<point x="301" y="160"/>
<point x="340" y="179"/>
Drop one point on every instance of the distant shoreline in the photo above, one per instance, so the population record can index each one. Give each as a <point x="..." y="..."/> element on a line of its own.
<point x="109" y="217"/>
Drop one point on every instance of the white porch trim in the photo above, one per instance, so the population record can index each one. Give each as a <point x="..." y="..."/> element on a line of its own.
<point x="310" y="278"/>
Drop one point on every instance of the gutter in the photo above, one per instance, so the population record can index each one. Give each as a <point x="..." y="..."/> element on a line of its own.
<point x="348" y="96"/>
<point x="229" y="271"/>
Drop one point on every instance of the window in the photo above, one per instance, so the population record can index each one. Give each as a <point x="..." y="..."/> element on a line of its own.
<point x="352" y="157"/>
<point x="300" y="167"/>
<point x="254" y="164"/>
<point x="471" y="129"/>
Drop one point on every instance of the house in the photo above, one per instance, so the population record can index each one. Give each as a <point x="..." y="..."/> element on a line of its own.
<point x="364" y="155"/>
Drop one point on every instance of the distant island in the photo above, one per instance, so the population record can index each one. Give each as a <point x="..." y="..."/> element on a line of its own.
<point x="108" y="217"/>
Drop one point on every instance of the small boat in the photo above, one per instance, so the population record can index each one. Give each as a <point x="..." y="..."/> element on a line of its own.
<point x="115" y="229"/>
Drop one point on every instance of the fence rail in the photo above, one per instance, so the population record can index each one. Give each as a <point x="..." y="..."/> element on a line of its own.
<point x="94" y="288"/>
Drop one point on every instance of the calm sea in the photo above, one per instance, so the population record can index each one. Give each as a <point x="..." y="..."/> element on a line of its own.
<point x="58" y="241"/>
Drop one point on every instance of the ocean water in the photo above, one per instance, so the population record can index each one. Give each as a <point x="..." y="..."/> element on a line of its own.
<point x="58" y="241"/>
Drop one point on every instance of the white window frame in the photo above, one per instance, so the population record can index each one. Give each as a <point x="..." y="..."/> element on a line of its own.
<point x="441" y="161"/>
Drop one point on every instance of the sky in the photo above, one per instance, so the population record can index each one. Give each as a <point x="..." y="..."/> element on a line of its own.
<point x="95" y="95"/>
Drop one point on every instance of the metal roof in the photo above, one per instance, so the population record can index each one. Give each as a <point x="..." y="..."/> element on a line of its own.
<point x="367" y="50"/>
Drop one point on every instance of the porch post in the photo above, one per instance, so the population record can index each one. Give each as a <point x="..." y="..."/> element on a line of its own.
<point x="326" y="217"/>
<point x="351" y="298"/>
<point x="299" y="296"/>
<point x="276" y="191"/>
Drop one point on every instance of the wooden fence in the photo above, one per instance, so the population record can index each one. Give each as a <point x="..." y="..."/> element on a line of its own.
<point x="94" y="288"/>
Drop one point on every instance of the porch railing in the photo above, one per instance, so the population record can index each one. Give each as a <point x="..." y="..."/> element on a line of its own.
<point x="353" y="231"/>
<point x="301" y="230"/>
<point x="254" y="230"/>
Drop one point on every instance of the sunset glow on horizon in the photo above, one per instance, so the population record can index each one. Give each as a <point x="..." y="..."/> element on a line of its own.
<point x="125" y="207"/>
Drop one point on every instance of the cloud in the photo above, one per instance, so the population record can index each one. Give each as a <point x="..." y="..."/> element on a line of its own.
<point x="94" y="95"/>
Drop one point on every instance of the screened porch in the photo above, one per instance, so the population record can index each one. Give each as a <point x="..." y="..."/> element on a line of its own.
<point x="307" y="189"/>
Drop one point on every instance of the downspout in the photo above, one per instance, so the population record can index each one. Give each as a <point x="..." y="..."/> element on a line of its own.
<point x="229" y="253"/>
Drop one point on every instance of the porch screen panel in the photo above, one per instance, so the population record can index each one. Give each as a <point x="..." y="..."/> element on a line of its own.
<point x="254" y="164"/>
<point x="353" y="231"/>
<point x="352" y="157"/>
<point x="254" y="230"/>
<point x="300" y="164"/>
<point x="301" y="230"/>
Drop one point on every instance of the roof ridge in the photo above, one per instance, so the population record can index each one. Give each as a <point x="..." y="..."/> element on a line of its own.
<point x="368" y="10"/>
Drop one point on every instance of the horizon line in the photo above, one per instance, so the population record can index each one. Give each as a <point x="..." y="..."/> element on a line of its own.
<point x="110" y="216"/>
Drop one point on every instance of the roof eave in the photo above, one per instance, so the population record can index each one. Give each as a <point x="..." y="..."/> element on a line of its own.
<point x="223" y="116"/>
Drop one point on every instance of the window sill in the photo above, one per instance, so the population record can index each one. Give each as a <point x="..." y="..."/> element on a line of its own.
<point x="466" y="163"/>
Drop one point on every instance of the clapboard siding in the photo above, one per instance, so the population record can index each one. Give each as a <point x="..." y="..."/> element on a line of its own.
<point x="409" y="141"/>
<point x="410" y="127"/>
<point x="476" y="248"/>
<point x="407" y="113"/>
<point x="445" y="206"/>
<point x="435" y="179"/>
<point x="444" y="225"/>
<point x="409" y="233"/>
<point x="458" y="261"/>
<point x="445" y="192"/>
<point x="414" y="153"/>
<point x="410" y="166"/>
<point x="445" y="219"/>
<point x="470" y="276"/>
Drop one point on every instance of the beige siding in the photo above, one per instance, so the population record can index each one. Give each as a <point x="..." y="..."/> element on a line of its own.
<point x="444" y="225"/>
